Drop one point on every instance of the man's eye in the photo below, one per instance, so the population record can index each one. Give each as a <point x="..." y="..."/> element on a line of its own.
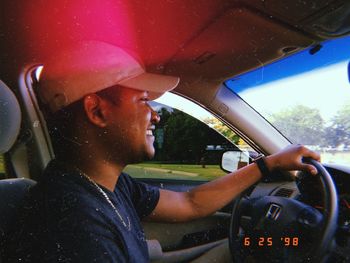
<point x="145" y="99"/>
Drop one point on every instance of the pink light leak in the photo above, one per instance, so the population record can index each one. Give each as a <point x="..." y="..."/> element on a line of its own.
<point x="156" y="30"/>
<point x="53" y="24"/>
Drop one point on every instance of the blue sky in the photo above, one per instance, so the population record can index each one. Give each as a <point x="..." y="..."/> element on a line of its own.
<point x="331" y="52"/>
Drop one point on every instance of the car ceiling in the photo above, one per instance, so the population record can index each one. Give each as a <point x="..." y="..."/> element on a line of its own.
<point x="203" y="41"/>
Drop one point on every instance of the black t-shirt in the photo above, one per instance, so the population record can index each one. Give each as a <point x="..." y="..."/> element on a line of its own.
<point x="66" y="219"/>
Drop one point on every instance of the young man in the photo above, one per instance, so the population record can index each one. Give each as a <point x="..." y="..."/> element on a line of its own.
<point x="85" y="209"/>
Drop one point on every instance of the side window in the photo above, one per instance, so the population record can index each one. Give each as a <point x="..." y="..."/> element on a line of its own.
<point x="2" y="168"/>
<point x="189" y="148"/>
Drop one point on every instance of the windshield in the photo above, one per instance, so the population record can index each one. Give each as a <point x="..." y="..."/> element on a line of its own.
<point x="306" y="97"/>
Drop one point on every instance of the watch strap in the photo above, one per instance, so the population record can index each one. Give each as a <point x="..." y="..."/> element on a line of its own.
<point x="261" y="163"/>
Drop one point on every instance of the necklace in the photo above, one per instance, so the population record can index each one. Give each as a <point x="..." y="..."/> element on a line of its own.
<point x="103" y="193"/>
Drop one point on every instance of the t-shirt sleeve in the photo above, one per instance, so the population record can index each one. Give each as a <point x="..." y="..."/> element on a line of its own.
<point x="144" y="197"/>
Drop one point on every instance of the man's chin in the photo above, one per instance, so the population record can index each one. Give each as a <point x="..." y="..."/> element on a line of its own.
<point x="146" y="156"/>
<point x="149" y="155"/>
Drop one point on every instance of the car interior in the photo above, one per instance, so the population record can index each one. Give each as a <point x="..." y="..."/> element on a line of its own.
<point x="205" y="43"/>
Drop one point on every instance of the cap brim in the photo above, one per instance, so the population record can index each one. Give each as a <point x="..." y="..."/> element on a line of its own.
<point x="155" y="84"/>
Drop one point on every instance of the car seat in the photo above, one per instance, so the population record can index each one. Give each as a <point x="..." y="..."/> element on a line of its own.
<point x="10" y="118"/>
<point x="12" y="191"/>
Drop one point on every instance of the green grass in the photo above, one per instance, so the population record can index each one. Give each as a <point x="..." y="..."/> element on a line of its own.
<point x="174" y="171"/>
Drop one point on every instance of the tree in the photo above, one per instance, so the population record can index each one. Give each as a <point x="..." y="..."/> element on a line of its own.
<point x="300" y="124"/>
<point x="185" y="138"/>
<point x="339" y="129"/>
<point x="223" y="129"/>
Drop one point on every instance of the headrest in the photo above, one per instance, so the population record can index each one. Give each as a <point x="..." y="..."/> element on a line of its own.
<point x="10" y="118"/>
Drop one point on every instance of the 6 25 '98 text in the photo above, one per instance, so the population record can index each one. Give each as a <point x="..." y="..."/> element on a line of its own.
<point x="269" y="241"/>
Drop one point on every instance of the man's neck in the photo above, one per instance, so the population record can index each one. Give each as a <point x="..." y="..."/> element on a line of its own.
<point x="100" y="171"/>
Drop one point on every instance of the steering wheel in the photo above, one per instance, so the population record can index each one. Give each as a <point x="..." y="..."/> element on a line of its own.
<point x="284" y="230"/>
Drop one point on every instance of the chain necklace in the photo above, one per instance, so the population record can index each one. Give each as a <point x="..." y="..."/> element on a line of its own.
<point x="127" y="226"/>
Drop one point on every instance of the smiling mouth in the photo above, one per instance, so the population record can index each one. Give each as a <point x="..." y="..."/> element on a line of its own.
<point x="149" y="131"/>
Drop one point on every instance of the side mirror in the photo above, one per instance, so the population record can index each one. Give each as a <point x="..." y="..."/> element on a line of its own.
<point x="234" y="160"/>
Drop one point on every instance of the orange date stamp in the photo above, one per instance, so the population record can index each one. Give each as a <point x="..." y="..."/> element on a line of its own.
<point x="269" y="241"/>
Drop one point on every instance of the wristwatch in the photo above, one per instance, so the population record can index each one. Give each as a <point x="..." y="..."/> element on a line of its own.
<point x="261" y="163"/>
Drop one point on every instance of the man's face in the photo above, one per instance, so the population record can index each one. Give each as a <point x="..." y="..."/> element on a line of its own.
<point x="130" y="125"/>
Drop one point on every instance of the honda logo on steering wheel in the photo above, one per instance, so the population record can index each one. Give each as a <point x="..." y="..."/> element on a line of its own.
<point x="273" y="212"/>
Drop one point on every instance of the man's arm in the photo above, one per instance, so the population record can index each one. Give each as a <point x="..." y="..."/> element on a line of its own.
<point x="210" y="197"/>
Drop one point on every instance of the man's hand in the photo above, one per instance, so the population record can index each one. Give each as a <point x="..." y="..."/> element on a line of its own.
<point x="291" y="158"/>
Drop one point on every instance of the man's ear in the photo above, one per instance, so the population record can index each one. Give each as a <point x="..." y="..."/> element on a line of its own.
<point x="94" y="108"/>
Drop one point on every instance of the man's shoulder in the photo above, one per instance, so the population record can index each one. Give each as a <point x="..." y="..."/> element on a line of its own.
<point x="125" y="182"/>
<point x="63" y="206"/>
<point x="61" y="192"/>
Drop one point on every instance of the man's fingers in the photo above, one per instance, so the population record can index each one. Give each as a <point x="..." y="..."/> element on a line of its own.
<point x="311" y="155"/>
<point x="314" y="155"/>
<point x="306" y="152"/>
<point x="309" y="168"/>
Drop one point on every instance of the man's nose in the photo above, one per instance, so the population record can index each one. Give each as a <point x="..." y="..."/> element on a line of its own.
<point x="155" y="118"/>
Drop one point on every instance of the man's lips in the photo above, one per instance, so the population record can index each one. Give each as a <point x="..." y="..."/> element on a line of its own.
<point x="149" y="131"/>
